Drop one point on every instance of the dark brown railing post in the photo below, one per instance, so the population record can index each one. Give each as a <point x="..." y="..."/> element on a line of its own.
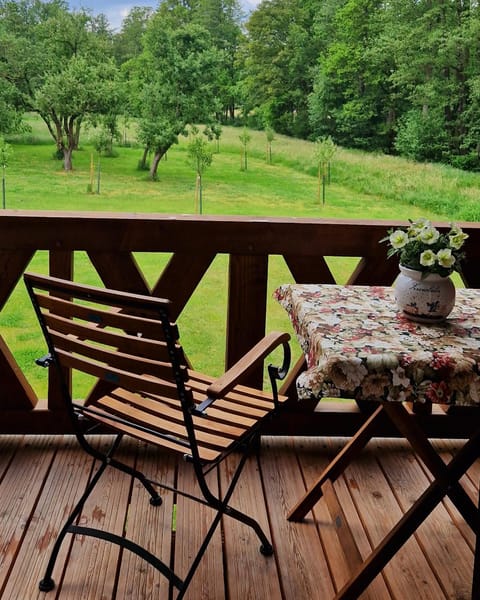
<point x="247" y="308"/>
<point x="60" y="265"/>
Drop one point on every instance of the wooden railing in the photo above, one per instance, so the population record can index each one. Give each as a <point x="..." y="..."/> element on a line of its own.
<point x="110" y="239"/>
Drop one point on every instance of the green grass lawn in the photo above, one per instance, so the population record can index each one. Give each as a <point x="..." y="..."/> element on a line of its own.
<point x="362" y="186"/>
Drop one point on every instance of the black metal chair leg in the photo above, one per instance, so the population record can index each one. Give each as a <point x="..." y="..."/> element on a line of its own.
<point x="155" y="498"/>
<point x="223" y="507"/>
<point x="107" y="457"/>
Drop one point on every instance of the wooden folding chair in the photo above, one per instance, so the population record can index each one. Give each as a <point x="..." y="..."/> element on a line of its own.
<point x="148" y="391"/>
<point x="445" y="482"/>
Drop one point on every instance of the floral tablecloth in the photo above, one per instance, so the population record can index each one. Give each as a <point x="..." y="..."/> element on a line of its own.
<point x="358" y="346"/>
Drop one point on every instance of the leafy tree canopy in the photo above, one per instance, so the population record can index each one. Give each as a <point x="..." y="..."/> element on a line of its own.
<point x="175" y="79"/>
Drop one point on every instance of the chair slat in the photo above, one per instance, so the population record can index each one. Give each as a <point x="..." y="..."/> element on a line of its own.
<point x="245" y="395"/>
<point x="165" y="407"/>
<point x="206" y="454"/>
<point x="149" y="327"/>
<point x="149" y="348"/>
<point x="161" y="423"/>
<point x="113" y="359"/>
<point x="117" y="377"/>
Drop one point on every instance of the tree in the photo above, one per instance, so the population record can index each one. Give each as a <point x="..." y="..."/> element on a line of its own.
<point x="352" y="100"/>
<point x="279" y="51"/>
<point x="270" y="135"/>
<point x="223" y="20"/>
<point x="174" y="79"/>
<point x="58" y="63"/>
<point x="128" y="43"/>
<point x="213" y="131"/>
<point x="244" y="138"/>
<point x="10" y="117"/>
<point x="324" y="150"/>
<point x="200" y="156"/>
<point x="66" y="98"/>
<point x="437" y="53"/>
<point x="5" y="153"/>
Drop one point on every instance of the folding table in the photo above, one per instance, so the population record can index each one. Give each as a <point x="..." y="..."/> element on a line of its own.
<point x="357" y="345"/>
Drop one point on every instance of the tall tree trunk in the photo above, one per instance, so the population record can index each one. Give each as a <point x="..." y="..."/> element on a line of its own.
<point x="67" y="158"/>
<point x="159" y="154"/>
<point x="78" y="125"/>
<point x="157" y="157"/>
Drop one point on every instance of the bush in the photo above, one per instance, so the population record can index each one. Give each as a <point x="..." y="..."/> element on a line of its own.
<point x="422" y="137"/>
<point x="466" y="162"/>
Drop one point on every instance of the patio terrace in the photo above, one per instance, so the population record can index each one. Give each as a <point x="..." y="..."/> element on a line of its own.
<point x="41" y="475"/>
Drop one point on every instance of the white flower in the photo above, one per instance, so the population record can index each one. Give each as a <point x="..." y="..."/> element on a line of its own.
<point x="455" y="230"/>
<point x="398" y="239"/>
<point x="428" y="258"/>
<point x="422" y="247"/>
<point x="429" y="235"/>
<point x="417" y="226"/>
<point x="456" y="240"/>
<point x="445" y="258"/>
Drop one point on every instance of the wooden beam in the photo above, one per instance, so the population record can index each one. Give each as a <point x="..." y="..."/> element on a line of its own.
<point x="180" y="279"/>
<point x="16" y="393"/>
<point x="247" y="293"/>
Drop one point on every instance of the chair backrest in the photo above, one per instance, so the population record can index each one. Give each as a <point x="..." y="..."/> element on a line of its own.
<point x="124" y="340"/>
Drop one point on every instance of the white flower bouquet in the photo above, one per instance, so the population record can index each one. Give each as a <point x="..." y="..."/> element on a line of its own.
<point x="423" y="248"/>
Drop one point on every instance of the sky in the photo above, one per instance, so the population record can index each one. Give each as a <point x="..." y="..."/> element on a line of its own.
<point x="116" y="10"/>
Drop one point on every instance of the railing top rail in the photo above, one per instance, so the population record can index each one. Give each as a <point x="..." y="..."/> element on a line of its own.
<point x="149" y="232"/>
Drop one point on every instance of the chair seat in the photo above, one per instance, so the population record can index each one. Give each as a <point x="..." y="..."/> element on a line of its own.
<point x="220" y="426"/>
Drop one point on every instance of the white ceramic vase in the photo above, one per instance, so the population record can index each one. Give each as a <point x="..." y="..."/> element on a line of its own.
<point x="427" y="298"/>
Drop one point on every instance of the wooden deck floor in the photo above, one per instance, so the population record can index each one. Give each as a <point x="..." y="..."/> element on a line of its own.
<point x="41" y="476"/>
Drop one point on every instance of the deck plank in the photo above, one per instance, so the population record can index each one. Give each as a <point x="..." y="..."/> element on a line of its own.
<point x="19" y="488"/>
<point x="41" y="477"/>
<point x="192" y="522"/>
<point x="314" y="457"/>
<point x="242" y="546"/>
<point x="380" y="511"/>
<point x="92" y="564"/>
<point x="449" y="555"/>
<point x="152" y="526"/>
<point x="301" y="560"/>
<point x="62" y="486"/>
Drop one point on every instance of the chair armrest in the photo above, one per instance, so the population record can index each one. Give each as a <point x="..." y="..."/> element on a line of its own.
<point x="249" y="361"/>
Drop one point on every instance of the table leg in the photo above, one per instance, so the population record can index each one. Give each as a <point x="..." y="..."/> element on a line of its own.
<point x="336" y="467"/>
<point x="418" y="512"/>
<point x="411" y="430"/>
<point x="476" y="562"/>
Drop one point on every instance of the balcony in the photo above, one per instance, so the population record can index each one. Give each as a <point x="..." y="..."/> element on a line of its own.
<point x="42" y="469"/>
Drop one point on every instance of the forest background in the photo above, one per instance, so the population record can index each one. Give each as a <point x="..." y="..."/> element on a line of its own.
<point x="398" y="77"/>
